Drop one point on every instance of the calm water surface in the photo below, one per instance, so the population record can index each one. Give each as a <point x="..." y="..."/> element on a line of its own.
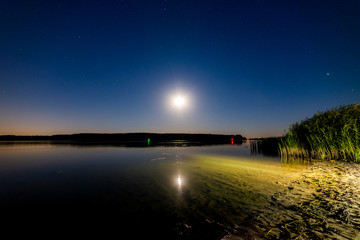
<point x="156" y="192"/>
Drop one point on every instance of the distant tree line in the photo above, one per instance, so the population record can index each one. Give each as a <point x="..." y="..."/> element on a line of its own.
<point x="131" y="137"/>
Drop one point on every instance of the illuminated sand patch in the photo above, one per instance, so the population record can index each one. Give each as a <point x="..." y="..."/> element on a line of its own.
<point x="224" y="189"/>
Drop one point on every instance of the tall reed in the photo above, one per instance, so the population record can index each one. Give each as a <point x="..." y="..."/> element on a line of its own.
<point x="334" y="134"/>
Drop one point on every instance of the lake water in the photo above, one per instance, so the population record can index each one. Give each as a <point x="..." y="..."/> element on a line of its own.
<point x="199" y="192"/>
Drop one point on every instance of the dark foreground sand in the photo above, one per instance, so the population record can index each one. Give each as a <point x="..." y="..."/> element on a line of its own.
<point x="324" y="203"/>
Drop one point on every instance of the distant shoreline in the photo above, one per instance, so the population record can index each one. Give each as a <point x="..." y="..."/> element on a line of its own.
<point x="135" y="138"/>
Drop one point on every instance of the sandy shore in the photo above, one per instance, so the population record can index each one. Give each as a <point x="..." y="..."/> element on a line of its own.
<point x="324" y="203"/>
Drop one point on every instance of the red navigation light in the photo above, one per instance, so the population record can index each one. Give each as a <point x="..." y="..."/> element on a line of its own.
<point x="232" y="141"/>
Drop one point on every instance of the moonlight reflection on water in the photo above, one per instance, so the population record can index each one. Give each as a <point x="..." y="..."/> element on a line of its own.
<point x="179" y="181"/>
<point x="143" y="188"/>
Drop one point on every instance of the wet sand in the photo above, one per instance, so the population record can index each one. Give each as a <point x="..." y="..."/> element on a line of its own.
<point x="323" y="203"/>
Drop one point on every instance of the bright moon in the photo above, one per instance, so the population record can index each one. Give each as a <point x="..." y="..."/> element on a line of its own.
<point x="179" y="101"/>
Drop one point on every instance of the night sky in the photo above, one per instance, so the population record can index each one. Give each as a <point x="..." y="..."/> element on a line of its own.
<point x="244" y="67"/>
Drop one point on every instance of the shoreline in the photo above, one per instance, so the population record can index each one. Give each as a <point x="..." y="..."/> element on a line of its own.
<point x="324" y="203"/>
<point x="130" y="138"/>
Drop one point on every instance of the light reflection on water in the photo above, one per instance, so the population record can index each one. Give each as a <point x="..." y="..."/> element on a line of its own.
<point x="179" y="181"/>
<point x="172" y="192"/>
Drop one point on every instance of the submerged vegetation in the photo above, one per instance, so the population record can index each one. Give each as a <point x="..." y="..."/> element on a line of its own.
<point x="266" y="146"/>
<point x="334" y="134"/>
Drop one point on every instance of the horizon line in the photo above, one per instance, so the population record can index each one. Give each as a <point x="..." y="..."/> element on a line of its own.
<point x="98" y="133"/>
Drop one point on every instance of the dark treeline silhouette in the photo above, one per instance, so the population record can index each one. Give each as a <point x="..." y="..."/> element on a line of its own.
<point x="132" y="139"/>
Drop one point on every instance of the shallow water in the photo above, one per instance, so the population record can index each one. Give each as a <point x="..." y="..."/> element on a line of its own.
<point x="188" y="192"/>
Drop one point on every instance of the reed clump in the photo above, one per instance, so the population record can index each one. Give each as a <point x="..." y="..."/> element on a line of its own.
<point x="334" y="134"/>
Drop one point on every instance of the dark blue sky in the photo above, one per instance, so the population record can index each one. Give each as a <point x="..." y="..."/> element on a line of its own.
<point x="249" y="67"/>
